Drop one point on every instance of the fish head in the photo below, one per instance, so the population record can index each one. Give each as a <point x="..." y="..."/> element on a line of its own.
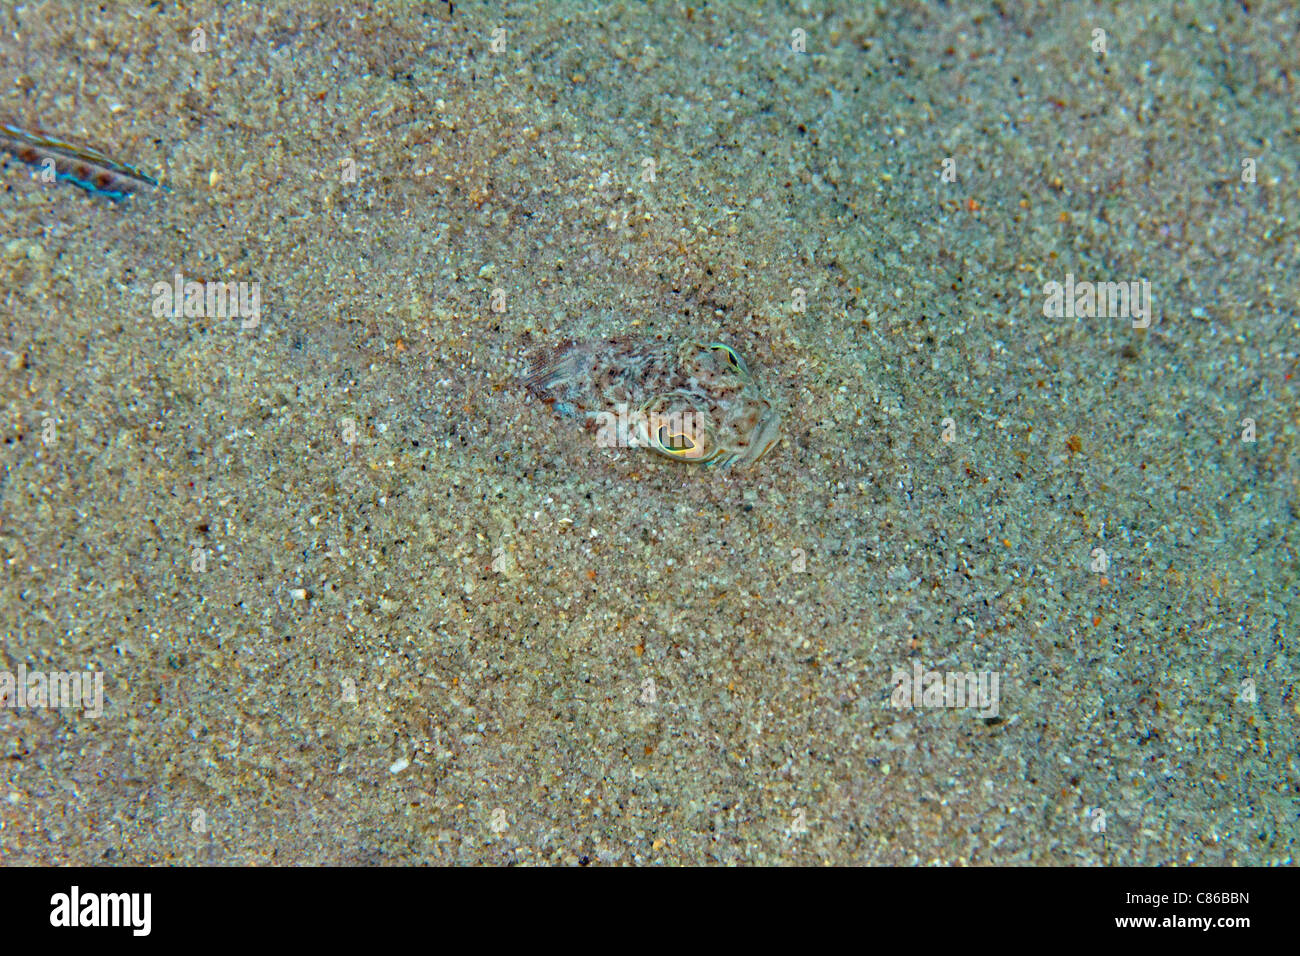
<point x="713" y="367"/>
<point x="717" y="416"/>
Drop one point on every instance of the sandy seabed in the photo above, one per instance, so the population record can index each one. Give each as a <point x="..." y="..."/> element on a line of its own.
<point x="356" y="599"/>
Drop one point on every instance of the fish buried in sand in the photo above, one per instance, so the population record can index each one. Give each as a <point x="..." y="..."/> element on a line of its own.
<point x="696" y="403"/>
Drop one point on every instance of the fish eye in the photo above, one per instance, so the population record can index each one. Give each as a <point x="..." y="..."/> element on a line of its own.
<point x="675" y="443"/>
<point x="734" y="360"/>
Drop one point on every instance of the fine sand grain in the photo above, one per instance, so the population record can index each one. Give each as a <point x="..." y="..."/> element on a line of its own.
<point x="356" y="599"/>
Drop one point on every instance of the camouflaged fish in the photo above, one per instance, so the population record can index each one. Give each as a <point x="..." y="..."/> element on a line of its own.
<point x="81" y="166"/>
<point x="696" y="403"/>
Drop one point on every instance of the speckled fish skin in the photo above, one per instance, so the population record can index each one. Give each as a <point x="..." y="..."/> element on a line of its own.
<point x="693" y="402"/>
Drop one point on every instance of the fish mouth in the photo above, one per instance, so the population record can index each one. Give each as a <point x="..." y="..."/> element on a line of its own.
<point x="764" y="436"/>
<point x="767" y="433"/>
